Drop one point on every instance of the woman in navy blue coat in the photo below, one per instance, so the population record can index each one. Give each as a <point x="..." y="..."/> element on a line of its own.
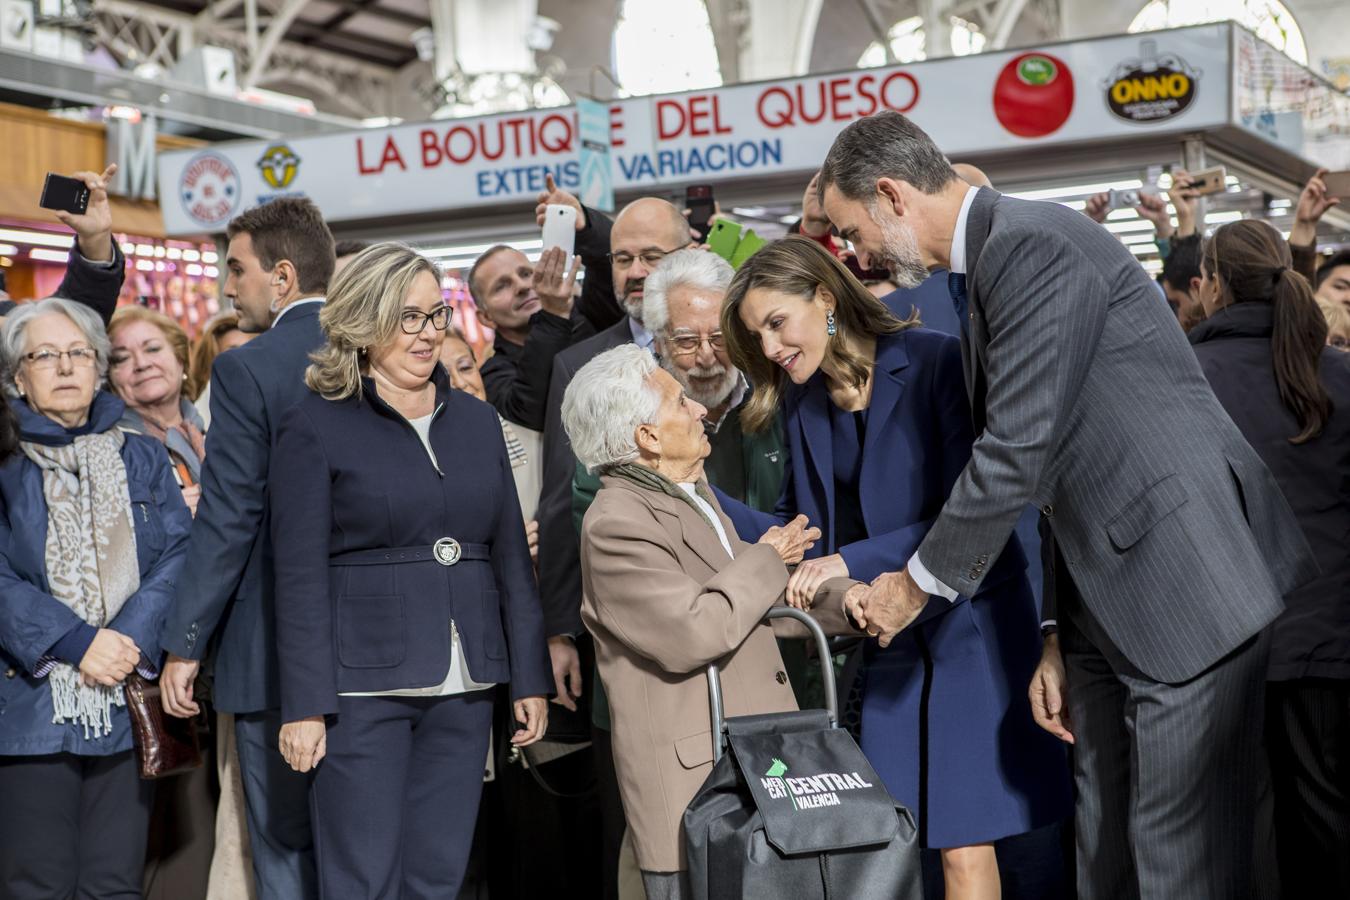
<point x="404" y="587"/>
<point x="878" y="429"/>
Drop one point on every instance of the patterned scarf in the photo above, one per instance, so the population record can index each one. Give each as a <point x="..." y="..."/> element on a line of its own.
<point x="515" y="450"/>
<point x="653" y="480"/>
<point x="90" y="556"/>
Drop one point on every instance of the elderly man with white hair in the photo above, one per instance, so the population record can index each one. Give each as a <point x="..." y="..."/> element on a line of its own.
<point x="669" y="588"/>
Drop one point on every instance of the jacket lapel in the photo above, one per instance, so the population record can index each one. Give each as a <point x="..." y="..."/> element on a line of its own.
<point x="889" y="386"/>
<point x="813" y="417"/>
<point x="979" y="221"/>
<point x="695" y="532"/>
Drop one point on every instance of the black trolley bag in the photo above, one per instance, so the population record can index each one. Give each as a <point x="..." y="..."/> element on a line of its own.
<point x="793" y="811"/>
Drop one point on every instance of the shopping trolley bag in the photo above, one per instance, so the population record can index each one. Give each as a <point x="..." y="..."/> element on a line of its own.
<point x="793" y="810"/>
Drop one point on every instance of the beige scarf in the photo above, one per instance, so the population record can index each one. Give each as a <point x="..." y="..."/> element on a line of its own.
<point x="90" y="557"/>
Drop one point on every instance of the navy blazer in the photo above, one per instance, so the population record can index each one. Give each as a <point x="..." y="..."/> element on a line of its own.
<point x="917" y="442"/>
<point x="352" y="477"/>
<point x="932" y="300"/>
<point x="226" y="592"/>
<point x="32" y="621"/>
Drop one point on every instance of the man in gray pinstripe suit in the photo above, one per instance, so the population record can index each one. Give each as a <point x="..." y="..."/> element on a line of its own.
<point x="1171" y="543"/>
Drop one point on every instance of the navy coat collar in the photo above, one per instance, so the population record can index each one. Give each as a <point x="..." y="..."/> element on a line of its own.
<point x="104" y="414"/>
<point x="1250" y="319"/>
<point x="371" y="396"/>
<point x="813" y="416"/>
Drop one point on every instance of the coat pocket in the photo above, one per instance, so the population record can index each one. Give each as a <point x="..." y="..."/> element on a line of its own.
<point x="372" y="631"/>
<point x="695" y="750"/>
<point x="1151" y="506"/>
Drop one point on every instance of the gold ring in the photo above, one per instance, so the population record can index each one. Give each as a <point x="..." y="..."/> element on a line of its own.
<point x="874" y="634"/>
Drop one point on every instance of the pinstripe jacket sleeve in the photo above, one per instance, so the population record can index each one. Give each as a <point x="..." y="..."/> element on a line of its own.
<point x="1044" y="307"/>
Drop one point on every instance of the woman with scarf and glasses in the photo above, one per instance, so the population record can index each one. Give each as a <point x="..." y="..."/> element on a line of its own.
<point x="93" y="529"/>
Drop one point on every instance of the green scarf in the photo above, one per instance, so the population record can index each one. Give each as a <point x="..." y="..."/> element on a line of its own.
<point x="652" y="480"/>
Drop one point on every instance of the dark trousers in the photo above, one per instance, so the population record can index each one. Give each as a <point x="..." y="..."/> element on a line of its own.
<point x="72" y="827"/>
<point x="396" y="797"/>
<point x="183" y="829"/>
<point x="1308" y="739"/>
<point x="276" y="800"/>
<point x="1166" y="774"/>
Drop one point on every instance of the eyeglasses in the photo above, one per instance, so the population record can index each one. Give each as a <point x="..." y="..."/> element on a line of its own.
<point x="650" y="258"/>
<point x="45" y="358"/>
<point x="1337" y="342"/>
<point x="414" y="321"/>
<point x="689" y="344"/>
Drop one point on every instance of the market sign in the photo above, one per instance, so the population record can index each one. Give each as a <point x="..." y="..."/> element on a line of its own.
<point x="1152" y="88"/>
<point x="970" y="105"/>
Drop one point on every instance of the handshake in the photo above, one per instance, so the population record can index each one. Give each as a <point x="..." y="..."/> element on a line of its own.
<point x="882" y="609"/>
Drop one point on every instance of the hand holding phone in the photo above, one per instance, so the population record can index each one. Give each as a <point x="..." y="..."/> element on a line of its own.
<point x="699" y="207"/>
<point x="560" y="228"/>
<point x="1208" y="181"/>
<point x="81" y="203"/>
<point x="62" y="193"/>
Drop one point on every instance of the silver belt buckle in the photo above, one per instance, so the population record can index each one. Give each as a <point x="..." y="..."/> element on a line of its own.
<point x="446" y="551"/>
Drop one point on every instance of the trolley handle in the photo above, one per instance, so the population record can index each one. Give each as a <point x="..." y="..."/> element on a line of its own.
<point x="719" y="722"/>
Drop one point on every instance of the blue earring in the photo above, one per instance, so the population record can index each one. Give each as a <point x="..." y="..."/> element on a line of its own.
<point x="830" y="328"/>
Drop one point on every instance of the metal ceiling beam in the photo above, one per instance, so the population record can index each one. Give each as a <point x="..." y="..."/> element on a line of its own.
<point x="311" y="35"/>
<point x="1004" y="19"/>
<point x="276" y="29"/>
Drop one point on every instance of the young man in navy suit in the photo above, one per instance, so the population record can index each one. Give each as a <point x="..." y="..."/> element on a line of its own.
<point x="278" y="265"/>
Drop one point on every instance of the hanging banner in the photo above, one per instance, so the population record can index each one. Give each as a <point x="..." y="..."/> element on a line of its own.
<point x="596" y="162"/>
<point x="1066" y="93"/>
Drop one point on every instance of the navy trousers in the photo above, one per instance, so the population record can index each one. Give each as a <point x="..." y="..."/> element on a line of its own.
<point x="396" y="797"/>
<point x="276" y="798"/>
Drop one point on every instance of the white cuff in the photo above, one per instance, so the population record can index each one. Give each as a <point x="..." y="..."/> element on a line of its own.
<point x="1049" y="623"/>
<point x="926" y="582"/>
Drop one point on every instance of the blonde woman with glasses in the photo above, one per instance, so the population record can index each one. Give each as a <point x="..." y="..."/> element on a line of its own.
<point x="404" y="588"/>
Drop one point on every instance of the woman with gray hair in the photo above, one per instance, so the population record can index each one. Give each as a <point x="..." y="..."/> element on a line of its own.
<point x="405" y="590"/>
<point x="93" y="530"/>
<point x="668" y="589"/>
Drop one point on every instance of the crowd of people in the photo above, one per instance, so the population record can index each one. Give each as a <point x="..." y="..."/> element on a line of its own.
<point x="1082" y="538"/>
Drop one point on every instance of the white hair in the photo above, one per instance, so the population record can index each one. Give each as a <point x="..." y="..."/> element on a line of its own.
<point x="16" y="329"/>
<point x="606" y="402"/>
<point x="697" y="269"/>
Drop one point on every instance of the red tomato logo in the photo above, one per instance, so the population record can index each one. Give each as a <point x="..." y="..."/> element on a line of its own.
<point x="1033" y="95"/>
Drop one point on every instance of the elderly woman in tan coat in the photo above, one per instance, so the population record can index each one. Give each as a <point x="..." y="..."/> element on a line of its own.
<point x="668" y="589"/>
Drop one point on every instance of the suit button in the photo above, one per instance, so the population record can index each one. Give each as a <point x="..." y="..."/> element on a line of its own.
<point x="781" y="677"/>
<point x="10" y="673"/>
<point x="974" y="574"/>
<point x="1047" y="510"/>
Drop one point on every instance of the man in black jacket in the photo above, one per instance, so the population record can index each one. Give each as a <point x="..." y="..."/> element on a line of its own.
<point x="529" y="307"/>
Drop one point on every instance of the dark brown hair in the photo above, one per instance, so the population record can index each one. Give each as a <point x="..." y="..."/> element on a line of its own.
<point x="290" y="228"/>
<point x="1253" y="265"/>
<point x="797" y="265"/>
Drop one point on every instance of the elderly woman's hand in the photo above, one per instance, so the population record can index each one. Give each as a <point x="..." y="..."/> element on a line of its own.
<point x="810" y="575"/>
<point x="791" y="541"/>
<point x="304" y="743"/>
<point x="532" y="712"/>
<point x="111" y="657"/>
<point x="532" y="539"/>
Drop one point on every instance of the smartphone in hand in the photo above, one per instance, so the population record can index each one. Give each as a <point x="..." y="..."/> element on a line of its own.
<point x="68" y="194"/>
<point x="560" y="228"/>
<point x="698" y="199"/>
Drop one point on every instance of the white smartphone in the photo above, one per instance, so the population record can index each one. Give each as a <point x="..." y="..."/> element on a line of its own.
<point x="560" y="228"/>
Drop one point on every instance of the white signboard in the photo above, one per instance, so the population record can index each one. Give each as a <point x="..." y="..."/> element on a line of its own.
<point x="1162" y="82"/>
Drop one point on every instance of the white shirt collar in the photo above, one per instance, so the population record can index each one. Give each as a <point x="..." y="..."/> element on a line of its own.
<point x="641" y="336"/>
<point x="291" y="306"/>
<point x="958" y="255"/>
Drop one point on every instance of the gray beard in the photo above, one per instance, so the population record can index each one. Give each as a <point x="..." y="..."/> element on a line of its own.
<point x="900" y="252"/>
<point x="711" y="399"/>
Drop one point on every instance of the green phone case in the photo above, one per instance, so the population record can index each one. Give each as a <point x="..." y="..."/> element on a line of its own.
<point x="749" y="245"/>
<point x="724" y="237"/>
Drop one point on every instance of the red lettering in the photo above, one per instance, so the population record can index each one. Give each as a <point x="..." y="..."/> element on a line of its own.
<point x="483" y="128"/>
<point x="391" y="154"/>
<point x="801" y="103"/>
<point x="361" y="160"/>
<point x="663" y="132"/>
<point x="839" y="99"/>
<point x="460" y="158"/>
<point x="616" y="126"/>
<point x="781" y="113"/>
<point x="910" y="100"/>
<point x="561" y="141"/>
<point x="430" y="146"/>
<point x="865" y="91"/>
<point x="698" y="111"/>
<point x="718" y="127"/>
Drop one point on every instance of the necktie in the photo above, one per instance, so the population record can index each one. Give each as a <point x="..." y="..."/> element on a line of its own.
<point x="956" y="285"/>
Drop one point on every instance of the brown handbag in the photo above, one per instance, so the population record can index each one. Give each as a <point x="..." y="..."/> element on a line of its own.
<point x="165" y="745"/>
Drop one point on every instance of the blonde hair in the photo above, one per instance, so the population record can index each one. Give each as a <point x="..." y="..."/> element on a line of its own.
<point x="207" y="348"/>
<point x="173" y="333"/>
<point x="1337" y="316"/>
<point x="365" y="303"/>
<point x="799" y="266"/>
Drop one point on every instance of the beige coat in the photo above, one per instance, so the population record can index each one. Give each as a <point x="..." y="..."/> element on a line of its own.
<point x="662" y="601"/>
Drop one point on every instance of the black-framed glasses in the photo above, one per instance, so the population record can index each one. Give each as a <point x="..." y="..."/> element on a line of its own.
<point x="650" y="258"/>
<point x="414" y="321"/>
<point x="47" y="358"/>
<point x="689" y="344"/>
